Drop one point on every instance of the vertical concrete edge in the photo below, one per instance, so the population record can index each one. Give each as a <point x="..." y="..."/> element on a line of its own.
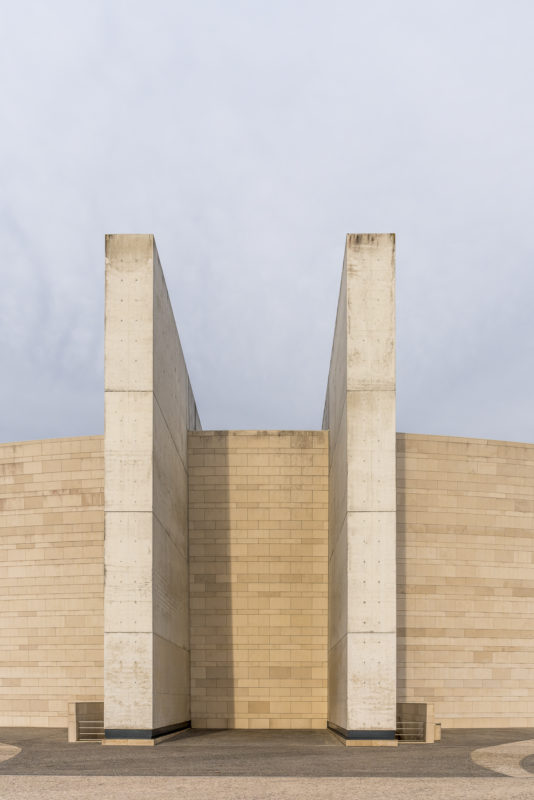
<point x="149" y="408"/>
<point x="360" y="413"/>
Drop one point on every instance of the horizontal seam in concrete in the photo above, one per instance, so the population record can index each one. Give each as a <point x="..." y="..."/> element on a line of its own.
<point x="377" y="633"/>
<point x="121" y="633"/>
<point x="129" y="511"/>
<point x="374" y="388"/>
<point x="372" y="511"/>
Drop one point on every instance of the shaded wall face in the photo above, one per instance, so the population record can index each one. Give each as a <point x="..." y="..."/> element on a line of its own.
<point x="258" y="509"/>
<point x="174" y="412"/>
<point x="465" y="565"/>
<point x="51" y="578"/>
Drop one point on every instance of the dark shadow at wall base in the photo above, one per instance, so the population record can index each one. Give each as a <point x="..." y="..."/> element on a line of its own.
<point x="371" y="735"/>
<point x="145" y="733"/>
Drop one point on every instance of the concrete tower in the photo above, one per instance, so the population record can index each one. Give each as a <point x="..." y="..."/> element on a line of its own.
<point x="360" y="414"/>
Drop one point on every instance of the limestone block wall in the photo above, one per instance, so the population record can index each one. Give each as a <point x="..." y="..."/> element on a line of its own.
<point x="360" y="414"/>
<point x="466" y="579"/>
<point x="258" y="565"/>
<point x="51" y="578"/>
<point x="149" y="407"/>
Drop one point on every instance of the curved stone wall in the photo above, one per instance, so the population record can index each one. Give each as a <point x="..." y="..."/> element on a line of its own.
<point x="465" y="570"/>
<point x="51" y="578"/>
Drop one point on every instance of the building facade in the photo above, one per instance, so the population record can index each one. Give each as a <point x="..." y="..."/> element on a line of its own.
<point x="352" y="577"/>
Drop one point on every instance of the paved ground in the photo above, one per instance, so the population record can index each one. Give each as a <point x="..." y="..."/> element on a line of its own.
<point x="284" y="754"/>
<point x="511" y="759"/>
<point x="38" y="764"/>
<point x="16" y="787"/>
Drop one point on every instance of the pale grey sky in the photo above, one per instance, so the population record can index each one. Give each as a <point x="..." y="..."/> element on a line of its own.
<point x="250" y="137"/>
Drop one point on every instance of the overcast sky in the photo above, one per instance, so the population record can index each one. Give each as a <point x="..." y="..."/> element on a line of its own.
<point x="250" y="137"/>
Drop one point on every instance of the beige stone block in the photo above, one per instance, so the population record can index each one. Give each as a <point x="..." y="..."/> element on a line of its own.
<point x="261" y="567"/>
<point x="479" y="578"/>
<point x="61" y="637"/>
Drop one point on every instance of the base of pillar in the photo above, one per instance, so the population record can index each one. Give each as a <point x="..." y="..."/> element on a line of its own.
<point x="376" y="738"/>
<point x="143" y="737"/>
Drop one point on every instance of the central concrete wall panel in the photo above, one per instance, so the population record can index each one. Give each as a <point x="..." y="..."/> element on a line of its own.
<point x="149" y="406"/>
<point x="360" y="414"/>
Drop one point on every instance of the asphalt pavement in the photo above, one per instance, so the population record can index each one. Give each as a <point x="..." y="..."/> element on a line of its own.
<point x="284" y="754"/>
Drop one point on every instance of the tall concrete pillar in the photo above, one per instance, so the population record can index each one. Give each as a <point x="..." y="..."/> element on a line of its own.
<point x="149" y="407"/>
<point x="360" y="414"/>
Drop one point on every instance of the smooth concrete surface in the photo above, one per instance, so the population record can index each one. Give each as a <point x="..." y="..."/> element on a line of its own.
<point x="149" y="406"/>
<point x="360" y="414"/>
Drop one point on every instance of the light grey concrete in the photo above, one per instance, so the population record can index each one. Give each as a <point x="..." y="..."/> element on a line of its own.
<point x="186" y="788"/>
<point x="149" y="406"/>
<point x="505" y="758"/>
<point x="7" y="751"/>
<point x="360" y="414"/>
